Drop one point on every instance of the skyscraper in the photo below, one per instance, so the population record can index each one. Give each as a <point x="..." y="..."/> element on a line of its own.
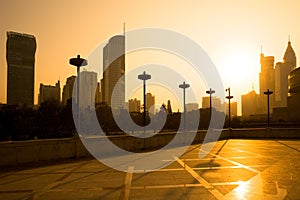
<point x="150" y="101"/>
<point x="20" y="56"/>
<point x="267" y="78"/>
<point x="282" y="70"/>
<point x="113" y="72"/>
<point x="68" y="89"/>
<point x="88" y="86"/>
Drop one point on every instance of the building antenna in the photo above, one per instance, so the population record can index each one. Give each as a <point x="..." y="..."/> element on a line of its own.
<point x="252" y="86"/>
<point x="261" y="49"/>
<point x="289" y="38"/>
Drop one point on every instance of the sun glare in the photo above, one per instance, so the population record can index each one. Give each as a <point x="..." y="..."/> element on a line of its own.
<point x="240" y="68"/>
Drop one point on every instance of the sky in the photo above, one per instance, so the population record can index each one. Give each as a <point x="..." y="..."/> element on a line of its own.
<point x="231" y="32"/>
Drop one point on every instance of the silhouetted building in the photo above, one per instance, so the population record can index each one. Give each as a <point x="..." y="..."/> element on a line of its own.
<point x="267" y="78"/>
<point x="68" y="89"/>
<point x="282" y="70"/>
<point x="253" y="104"/>
<point x="49" y="93"/>
<point x="113" y="72"/>
<point x="191" y="106"/>
<point x="20" y="56"/>
<point x="216" y="103"/>
<point x="150" y="101"/>
<point x="233" y="108"/>
<point x="87" y="90"/>
<point x="98" y="94"/>
<point x="134" y="105"/>
<point x="294" y="95"/>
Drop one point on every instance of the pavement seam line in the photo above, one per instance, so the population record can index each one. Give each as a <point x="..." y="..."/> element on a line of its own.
<point x="201" y="180"/>
<point x="57" y="182"/>
<point x="127" y="184"/>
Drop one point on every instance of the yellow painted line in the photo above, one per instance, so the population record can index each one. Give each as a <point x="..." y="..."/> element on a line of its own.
<point x="201" y="180"/>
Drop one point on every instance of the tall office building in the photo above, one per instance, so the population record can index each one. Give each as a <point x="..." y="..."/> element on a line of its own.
<point x="113" y="72"/>
<point x="282" y="70"/>
<point x="267" y="78"/>
<point x="68" y="89"/>
<point x="88" y="89"/>
<point x="49" y="93"/>
<point x="20" y="56"/>
<point x="150" y="102"/>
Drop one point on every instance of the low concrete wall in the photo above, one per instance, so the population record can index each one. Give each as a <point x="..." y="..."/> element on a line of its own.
<point x="19" y="152"/>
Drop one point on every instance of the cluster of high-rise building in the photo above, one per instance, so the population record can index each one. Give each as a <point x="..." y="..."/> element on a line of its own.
<point x="279" y="80"/>
<point x="111" y="90"/>
<point x="20" y="55"/>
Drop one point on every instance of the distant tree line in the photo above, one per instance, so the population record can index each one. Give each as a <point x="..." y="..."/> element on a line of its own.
<point x="52" y="120"/>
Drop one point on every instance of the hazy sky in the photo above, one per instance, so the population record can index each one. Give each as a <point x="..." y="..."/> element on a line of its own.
<point x="230" y="31"/>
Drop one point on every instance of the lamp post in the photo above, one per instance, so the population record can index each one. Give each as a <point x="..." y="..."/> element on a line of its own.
<point x="210" y="92"/>
<point x="78" y="62"/>
<point x="144" y="77"/>
<point x="184" y="86"/>
<point x="229" y="97"/>
<point x="268" y="93"/>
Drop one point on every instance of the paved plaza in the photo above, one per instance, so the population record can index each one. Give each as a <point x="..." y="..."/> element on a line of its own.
<point x="235" y="169"/>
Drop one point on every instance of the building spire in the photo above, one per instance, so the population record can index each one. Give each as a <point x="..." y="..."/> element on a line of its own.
<point x="289" y="55"/>
<point x="124" y="28"/>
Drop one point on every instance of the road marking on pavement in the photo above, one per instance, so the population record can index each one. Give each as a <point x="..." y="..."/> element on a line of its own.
<point x="248" y="152"/>
<point x="165" y="186"/>
<point x="127" y="184"/>
<point x="201" y="180"/>
<point x="233" y="162"/>
<point x="142" y="187"/>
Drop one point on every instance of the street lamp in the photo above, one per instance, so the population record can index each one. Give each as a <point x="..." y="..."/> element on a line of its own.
<point x="144" y="77"/>
<point x="78" y="62"/>
<point x="268" y="92"/>
<point x="184" y="86"/>
<point x="210" y="92"/>
<point x="228" y="97"/>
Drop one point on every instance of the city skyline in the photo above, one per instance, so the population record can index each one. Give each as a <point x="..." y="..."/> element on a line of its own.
<point x="228" y="48"/>
<point x="116" y="70"/>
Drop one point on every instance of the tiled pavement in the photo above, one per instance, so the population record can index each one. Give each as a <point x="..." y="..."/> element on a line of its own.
<point x="235" y="169"/>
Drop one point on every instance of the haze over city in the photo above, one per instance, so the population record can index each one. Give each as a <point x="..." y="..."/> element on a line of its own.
<point x="231" y="33"/>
